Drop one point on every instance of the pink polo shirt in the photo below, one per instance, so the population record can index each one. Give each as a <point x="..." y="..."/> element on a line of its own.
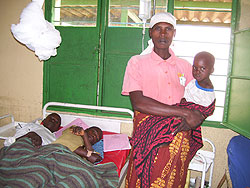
<point x="162" y="80"/>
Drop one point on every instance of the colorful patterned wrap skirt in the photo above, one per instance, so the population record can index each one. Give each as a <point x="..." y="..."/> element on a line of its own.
<point x="160" y="158"/>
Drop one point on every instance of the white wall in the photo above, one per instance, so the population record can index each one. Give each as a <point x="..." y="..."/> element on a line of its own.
<point x="20" y="70"/>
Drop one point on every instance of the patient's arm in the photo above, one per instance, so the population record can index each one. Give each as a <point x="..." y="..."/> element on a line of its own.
<point x="79" y="131"/>
<point x="91" y="156"/>
<point x="34" y="137"/>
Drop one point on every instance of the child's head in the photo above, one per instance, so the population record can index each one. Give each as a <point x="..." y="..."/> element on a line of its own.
<point x="94" y="134"/>
<point x="203" y="66"/>
<point x="52" y="122"/>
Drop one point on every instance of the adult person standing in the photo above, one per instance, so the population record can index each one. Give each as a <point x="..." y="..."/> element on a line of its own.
<point x="155" y="82"/>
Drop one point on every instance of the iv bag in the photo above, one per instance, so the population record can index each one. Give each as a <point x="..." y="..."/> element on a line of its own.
<point x="145" y="9"/>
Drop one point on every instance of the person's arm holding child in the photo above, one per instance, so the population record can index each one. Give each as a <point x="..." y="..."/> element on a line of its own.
<point x="141" y="103"/>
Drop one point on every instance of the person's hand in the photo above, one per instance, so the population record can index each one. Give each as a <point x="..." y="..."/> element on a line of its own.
<point x="183" y="100"/>
<point x="182" y="127"/>
<point x="35" y="139"/>
<point x="76" y="130"/>
<point x="192" y="121"/>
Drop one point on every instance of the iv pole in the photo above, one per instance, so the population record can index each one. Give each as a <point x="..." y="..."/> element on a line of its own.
<point x="144" y="14"/>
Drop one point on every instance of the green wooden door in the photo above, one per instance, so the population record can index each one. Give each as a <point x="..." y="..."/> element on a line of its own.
<point x="123" y="39"/>
<point x="121" y="44"/>
<point x="91" y="61"/>
<point x="72" y="75"/>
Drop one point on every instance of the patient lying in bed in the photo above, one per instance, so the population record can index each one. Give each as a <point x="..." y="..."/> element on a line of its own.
<point x="39" y="134"/>
<point x="52" y="165"/>
<point x="87" y="143"/>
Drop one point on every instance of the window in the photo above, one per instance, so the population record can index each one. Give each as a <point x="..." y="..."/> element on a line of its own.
<point x="190" y="40"/>
<point x="75" y="13"/>
<point x="205" y="26"/>
<point x="124" y="13"/>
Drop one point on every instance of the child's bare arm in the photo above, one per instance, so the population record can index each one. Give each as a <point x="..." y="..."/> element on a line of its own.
<point x="87" y="154"/>
<point x="87" y="143"/>
<point x="79" y="131"/>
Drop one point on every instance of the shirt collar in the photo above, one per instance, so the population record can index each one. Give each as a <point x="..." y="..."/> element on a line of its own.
<point x="158" y="59"/>
<point x="202" y="88"/>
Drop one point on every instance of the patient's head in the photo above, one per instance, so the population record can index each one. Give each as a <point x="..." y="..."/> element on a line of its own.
<point x="52" y="122"/>
<point x="94" y="134"/>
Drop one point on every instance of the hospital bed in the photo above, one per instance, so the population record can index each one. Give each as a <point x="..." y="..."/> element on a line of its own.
<point x="114" y="123"/>
<point x="119" y="120"/>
